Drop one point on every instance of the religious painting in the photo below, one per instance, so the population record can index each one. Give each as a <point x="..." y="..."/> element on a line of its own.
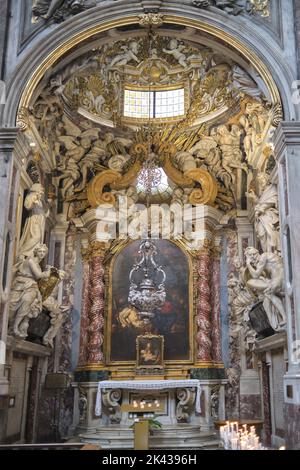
<point x="149" y="351"/>
<point x="173" y="319"/>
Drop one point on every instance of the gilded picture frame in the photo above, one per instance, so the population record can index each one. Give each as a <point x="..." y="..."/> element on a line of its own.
<point x="118" y="339"/>
<point x="149" y="352"/>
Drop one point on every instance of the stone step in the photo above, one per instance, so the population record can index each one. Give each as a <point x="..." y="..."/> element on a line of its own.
<point x="170" y="437"/>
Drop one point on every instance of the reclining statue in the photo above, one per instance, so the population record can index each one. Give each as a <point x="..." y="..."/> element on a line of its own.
<point x="266" y="280"/>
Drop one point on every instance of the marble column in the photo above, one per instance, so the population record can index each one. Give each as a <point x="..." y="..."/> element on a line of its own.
<point x="203" y="316"/>
<point x="267" y="429"/>
<point x="84" y="319"/>
<point x="216" y="307"/>
<point x="96" y="306"/>
<point x="287" y="153"/>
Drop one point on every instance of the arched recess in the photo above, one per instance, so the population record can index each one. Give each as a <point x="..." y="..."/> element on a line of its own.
<point x="243" y="37"/>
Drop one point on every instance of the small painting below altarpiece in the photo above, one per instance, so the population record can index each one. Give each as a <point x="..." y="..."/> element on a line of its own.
<point x="150" y="351"/>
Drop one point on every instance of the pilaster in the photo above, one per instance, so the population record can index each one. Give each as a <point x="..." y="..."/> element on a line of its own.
<point x="9" y="175"/>
<point x="287" y="153"/>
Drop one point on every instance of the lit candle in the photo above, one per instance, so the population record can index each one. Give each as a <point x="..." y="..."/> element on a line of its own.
<point x="234" y="443"/>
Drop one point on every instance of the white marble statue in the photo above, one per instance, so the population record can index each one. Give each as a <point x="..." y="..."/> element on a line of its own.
<point x="229" y="143"/>
<point x="75" y="164"/>
<point x="33" y="232"/>
<point x="117" y="162"/>
<point x="244" y="83"/>
<point x="26" y="299"/>
<point x="175" y="49"/>
<point x="129" y="53"/>
<point x="266" y="216"/>
<point x="70" y="173"/>
<point x="208" y="154"/>
<point x="177" y="196"/>
<point x="185" y="161"/>
<point x="57" y="314"/>
<point x="240" y="299"/>
<point x="267" y="281"/>
<point x="55" y="8"/>
<point x="254" y="122"/>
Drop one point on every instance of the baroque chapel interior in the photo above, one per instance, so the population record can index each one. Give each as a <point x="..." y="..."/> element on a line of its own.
<point x="149" y="250"/>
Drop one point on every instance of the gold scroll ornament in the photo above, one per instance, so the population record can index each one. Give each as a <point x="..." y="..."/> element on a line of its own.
<point x="209" y="189"/>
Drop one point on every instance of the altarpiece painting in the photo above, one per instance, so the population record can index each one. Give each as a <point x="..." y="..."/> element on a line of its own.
<point x="172" y="320"/>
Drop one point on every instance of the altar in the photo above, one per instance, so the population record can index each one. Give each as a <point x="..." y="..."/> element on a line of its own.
<point x="159" y="343"/>
<point x="148" y="391"/>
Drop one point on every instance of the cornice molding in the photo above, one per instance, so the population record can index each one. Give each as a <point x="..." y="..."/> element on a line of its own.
<point x="287" y="135"/>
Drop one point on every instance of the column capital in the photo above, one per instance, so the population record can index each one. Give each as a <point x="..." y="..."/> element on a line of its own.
<point x="94" y="249"/>
<point x="99" y="248"/>
<point x="206" y="247"/>
<point x="287" y="134"/>
<point x="8" y="136"/>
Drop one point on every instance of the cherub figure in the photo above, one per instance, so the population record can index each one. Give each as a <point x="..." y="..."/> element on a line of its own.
<point x="130" y="53"/>
<point x="175" y="49"/>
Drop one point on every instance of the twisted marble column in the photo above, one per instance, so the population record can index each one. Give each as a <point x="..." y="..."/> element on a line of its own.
<point x="84" y="319"/>
<point x="96" y="308"/>
<point x="216" y="308"/>
<point x="203" y="317"/>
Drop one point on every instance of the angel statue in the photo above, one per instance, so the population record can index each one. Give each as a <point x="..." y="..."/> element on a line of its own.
<point x="54" y="8"/>
<point x="242" y="82"/>
<point x="70" y="174"/>
<point x="111" y="150"/>
<point x="229" y="142"/>
<point x="77" y="144"/>
<point x="266" y="214"/>
<point x="33" y="232"/>
<point x="233" y="7"/>
<point x="129" y="53"/>
<point x="26" y="298"/>
<point x="175" y="49"/>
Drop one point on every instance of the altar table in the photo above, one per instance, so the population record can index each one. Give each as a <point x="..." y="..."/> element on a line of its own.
<point x="147" y="385"/>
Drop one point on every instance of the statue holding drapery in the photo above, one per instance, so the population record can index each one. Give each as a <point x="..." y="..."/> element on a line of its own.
<point x="33" y="233"/>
